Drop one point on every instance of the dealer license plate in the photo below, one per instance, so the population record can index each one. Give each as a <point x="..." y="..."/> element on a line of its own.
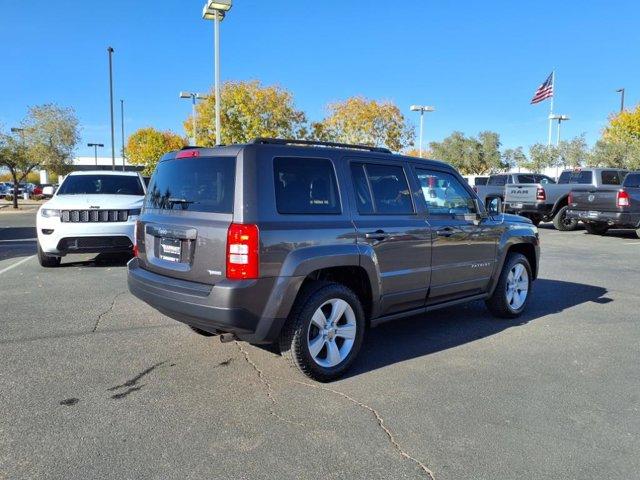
<point x="170" y="249"/>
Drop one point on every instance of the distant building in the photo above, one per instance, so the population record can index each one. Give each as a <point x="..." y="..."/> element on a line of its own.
<point x="91" y="163"/>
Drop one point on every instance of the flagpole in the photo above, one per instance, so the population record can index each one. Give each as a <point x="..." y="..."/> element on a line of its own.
<point x="553" y="86"/>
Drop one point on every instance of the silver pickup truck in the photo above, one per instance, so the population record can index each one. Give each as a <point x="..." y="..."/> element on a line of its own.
<point x="496" y="184"/>
<point x="549" y="202"/>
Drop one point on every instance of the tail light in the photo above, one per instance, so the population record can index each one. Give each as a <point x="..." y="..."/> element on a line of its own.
<point x="622" y="199"/>
<point x="570" y="198"/>
<point x="243" y="259"/>
<point x="135" y="238"/>
<point x="541" y="194"/>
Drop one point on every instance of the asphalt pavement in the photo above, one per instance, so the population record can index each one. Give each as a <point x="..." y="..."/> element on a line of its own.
<point x="95" y="384"/>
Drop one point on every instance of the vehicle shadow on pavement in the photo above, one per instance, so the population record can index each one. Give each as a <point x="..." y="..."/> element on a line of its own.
<point x="622" y="233"/>
<point x="17" y="242"/>
<point x="401" y="340"/>
<point x="101" y="260"/>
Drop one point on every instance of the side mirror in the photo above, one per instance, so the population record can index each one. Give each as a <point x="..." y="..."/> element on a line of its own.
<point x="494" y="206"/>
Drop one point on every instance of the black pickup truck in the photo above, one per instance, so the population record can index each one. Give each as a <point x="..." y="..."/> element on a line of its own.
<point x="608" y="206"/>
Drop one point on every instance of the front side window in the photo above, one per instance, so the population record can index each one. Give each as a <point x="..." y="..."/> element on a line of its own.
<point x="444" y="194"/>
<point x="305" y="186"/>
<point x="101" y="185"/>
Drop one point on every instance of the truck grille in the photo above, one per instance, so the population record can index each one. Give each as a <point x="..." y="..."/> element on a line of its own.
<point x="92" y="216"/>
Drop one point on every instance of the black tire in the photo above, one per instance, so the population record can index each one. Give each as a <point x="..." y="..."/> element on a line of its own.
<point x="535" y="219"/>
<point x="497" y="303"/>
<point x="204" y="333"/>
<point x="294" y="344"/>
<point x="596" y="228"/>
<point x="562" y="223"/>
<point x="47" y="261"/>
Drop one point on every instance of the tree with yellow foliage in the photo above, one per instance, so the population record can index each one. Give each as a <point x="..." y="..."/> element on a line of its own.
<point x="248" y="110"/>
<point x="358" y="120"/>
<point x="146" y="145"/>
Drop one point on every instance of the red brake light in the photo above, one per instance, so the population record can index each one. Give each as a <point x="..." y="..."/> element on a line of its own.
<point x="622" y="199"/>
<point x="188" y="153"/>
<point x="541" y="194"/>
<point x="243" y="259"/>
<point x="135" y="238"/>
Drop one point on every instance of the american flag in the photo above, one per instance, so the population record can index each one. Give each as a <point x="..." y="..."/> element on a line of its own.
<point x="544" y="91"/>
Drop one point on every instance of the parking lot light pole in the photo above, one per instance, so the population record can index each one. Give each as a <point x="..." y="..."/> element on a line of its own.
<point x="560" y="119"/>
<point x="621" y="92"/>
<point x="216" y="10"/>
<point x="122" y="131"/>
<point x="421" y="109"/>
<point x="95" y="150"/>
<point x="193" y="96"/>
<point x="113" y="147"/>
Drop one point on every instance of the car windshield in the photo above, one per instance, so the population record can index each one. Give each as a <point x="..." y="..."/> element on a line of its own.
<point x="101" y="185"/>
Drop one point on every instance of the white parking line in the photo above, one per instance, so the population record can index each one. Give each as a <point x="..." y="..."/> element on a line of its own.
<point x="19" y="240"/>
<point x="4" y="270"/>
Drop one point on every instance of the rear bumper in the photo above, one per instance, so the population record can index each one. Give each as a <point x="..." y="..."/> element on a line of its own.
<point x="254" y="310"/>
<point x="518" y="208"/>
<point x="614" y="219"/>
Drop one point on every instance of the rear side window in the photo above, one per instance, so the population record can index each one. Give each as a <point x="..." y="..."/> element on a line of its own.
<point x="576" y="177"/>
<point x="611" y="177"/>
<point x="195" y="184"/>
<point x="632" y="180"/>
<point x="305" y="186"/>
<point x="498" y="180"/>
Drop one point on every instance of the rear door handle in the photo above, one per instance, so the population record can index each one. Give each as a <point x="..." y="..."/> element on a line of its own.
<point x="377" y="235"/>
<point x="445" y="232"/>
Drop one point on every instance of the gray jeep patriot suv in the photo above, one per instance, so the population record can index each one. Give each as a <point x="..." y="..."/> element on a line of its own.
<point x="307" y="244"/>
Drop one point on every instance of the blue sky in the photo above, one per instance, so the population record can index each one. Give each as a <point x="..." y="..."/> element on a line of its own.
<point x="478" y="62"/>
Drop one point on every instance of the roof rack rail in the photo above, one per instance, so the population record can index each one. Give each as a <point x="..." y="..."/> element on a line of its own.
<point x="282" y="141"/>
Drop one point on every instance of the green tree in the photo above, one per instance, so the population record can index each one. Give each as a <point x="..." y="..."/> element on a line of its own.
<point x="620" y="152"/>
<point x="514" y="157"/>
<point x="574" y="152"/>
<point x="361" y="121"/>
<point x="46" y="138"/>
<point x="470" y="155"/>
<point x="248" y="110"/>
<point x="146" y="145"/>
<point x="541" y="157"/>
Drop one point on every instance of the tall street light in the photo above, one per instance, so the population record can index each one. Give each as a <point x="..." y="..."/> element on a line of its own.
<point x="113" y="148"/>
<point x="193" y="96"/>
<point x="422" y="109"/>
<point x="621" y="92"/>
<point x="560" y="119"/>
<point x="122" y="130"/>
<point x="216" y="10"/>
<point x="95" y="150"/>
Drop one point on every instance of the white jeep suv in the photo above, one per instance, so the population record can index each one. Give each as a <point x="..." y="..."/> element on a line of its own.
<point x="91" y="212"/>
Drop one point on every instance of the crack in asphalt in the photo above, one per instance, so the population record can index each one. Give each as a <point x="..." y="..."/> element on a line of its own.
<point x="267" y="384"/>
<point x="113" y="302"/>
<point x="380" y="421"/>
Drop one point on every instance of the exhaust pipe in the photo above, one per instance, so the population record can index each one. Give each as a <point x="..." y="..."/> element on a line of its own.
<point x="227" y="337"/>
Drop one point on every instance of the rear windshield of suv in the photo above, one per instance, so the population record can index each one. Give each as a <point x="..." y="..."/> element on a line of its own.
<point x="101" y="185"/>
<point x="195" y="184"/>
<point x="576" y="176"/>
